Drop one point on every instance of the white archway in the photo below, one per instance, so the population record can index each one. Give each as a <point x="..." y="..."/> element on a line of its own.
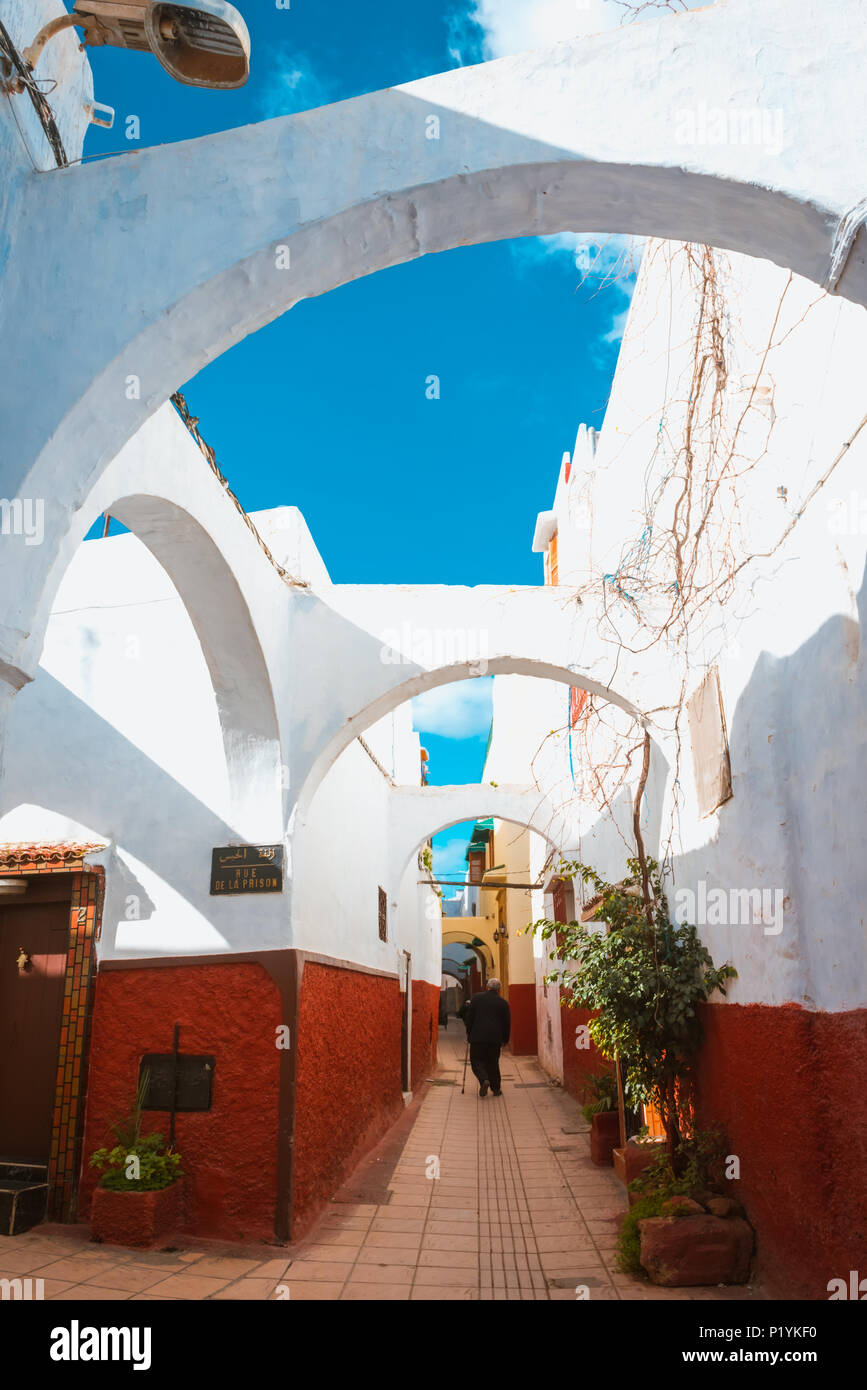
<point x="417" y="813"/>
<point x="160" y="488"/>
<point x="341" y="729"/>
<point x="182" y="250"/>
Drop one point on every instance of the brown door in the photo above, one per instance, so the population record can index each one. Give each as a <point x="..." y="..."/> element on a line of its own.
<point x="31" y="1000"/>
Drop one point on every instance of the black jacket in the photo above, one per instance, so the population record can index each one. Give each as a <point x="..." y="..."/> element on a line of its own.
<point x="488" y="1019"/>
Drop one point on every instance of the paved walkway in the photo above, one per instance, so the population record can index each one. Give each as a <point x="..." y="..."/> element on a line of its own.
<point x="487" y="1199"/>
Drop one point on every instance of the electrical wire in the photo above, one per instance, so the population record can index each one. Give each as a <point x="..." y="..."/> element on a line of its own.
<point x="15" y="62"/>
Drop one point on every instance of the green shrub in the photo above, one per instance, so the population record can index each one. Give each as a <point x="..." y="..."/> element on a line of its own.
<point x="703" y="1156"/>
<point x="146" y="1155"/>
<point x="644" y="977"/>
<point x="700" y="1168"/>
<point x="157" y="1166"/>
<point x="602" y="1096"/>
<point x="629" y="1240"/>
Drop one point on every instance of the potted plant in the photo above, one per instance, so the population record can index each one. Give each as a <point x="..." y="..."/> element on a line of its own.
<point x="137" y="1200"/>
<point x="644" y="977"/>
<point x="638" y="1153"/>
<point x="682" y="1229"/>
<point x="600" y="1111"/>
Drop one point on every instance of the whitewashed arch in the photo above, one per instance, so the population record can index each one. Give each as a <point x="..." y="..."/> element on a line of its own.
<point x="161" y="489"/>
<point x="347" y="728"/>
<point x="458" y="933"/>
<point x="417" y="813"/>
<point x="182" y="250"/>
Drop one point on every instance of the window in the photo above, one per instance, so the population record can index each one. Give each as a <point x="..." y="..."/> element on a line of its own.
<point x="383" y="915"/>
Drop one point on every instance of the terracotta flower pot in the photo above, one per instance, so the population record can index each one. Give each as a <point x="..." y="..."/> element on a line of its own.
<point x="604" y="1137"/>
<point x="631" y="1160"/>
<point x="140" y="1219"/>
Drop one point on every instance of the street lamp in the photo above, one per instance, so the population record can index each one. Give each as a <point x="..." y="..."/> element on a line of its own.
<point x="204" y="43"/>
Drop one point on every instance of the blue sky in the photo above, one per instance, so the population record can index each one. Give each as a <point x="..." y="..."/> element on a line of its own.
<point x="454" y="722"/>
<point x="326" y="408"/>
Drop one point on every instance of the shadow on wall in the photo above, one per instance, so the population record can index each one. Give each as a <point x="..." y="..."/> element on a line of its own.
<point x="787" y="1081"/>
<point x="66" y="758"/>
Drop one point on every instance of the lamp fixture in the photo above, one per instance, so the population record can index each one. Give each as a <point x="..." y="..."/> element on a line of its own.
<point x="204" y="43"/>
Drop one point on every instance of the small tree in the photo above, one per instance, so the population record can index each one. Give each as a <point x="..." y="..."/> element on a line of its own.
<point x="646" y="977"/>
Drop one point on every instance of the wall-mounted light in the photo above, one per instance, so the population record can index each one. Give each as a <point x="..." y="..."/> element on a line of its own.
<point x="204" y="43"/>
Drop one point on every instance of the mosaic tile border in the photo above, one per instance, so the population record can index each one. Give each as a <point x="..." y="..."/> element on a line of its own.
<point x="85" y="914"/>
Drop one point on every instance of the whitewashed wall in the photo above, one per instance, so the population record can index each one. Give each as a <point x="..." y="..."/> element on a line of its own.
<point x="788" y="646"/>
<point x="118" y="741"/>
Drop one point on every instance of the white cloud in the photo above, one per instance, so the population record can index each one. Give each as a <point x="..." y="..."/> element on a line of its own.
<point x="290" y="85"/>
<point x="496" y="28"/>
<point x="462" y="710"/>
<point x="450" y="856"/>
<point x="600" y="259"/>
<point x="600" y="263"/>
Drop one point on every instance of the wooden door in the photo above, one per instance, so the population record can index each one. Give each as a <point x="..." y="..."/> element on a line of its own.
<point x="31" y="1001"/>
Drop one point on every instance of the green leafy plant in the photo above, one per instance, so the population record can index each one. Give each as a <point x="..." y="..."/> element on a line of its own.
<point x="629" y="1238"/>
<point x="157" y="1165"/>
<point x="701" y="1172"/>
<point x="427" y="863"/>
<point x="645" y="976"/>
<point x="602" y="1098"/>
<point x="700" y="1169"/>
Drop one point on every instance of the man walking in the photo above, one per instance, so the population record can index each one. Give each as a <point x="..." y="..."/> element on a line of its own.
<point x="488" y="1022"/>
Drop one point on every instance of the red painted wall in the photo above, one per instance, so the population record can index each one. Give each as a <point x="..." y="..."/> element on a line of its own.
<point x="425" y="1022"/>
<point x="348" y="1083"/>
<point x="230" y="1151"/>
<point x="522" y="1002"/>
<point x="578" y="1062"/>
<point x="790" y="1088"/>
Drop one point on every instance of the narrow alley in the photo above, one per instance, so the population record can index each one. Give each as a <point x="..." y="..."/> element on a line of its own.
<point x="518" y="1212"/>
<point x="433" y="580"/>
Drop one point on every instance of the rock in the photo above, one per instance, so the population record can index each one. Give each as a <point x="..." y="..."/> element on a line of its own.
<point x="686" y="1251"/>
<point x="683" y="1206"/>
<point x="724" y="1206"/>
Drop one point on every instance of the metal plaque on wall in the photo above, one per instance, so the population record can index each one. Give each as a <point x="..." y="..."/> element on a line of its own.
<point x="247" y="869"/>
<point x="187" y="1086"/>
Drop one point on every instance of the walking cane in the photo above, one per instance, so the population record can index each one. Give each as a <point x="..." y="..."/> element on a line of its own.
<point x="466" y="1059"/>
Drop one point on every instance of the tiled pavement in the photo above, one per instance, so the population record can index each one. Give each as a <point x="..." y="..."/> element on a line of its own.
<point x="518" y="1211"/>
